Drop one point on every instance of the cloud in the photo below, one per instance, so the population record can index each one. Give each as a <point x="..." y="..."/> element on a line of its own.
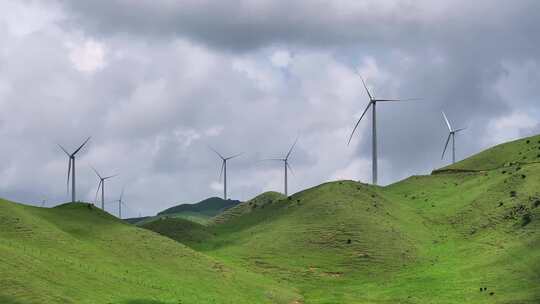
<point x="156" y="82"/>
<point x="281" y="59"/>
<point x="216" y="186"/>
<point x="509" y="127"/>
<point x="244" y="25"/>
<point x="87" y="57"/>
<point x="352" y="171"/>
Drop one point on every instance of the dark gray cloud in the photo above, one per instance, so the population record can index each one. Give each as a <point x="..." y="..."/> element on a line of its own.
<point x="241" y="25"/>
<point x="156" y="82"/>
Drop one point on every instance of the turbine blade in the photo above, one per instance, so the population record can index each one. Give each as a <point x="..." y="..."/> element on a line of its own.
<point x="68" y="175"/>
<point x="290" y="168"/>
<point x="222" y="168"/>
<point x="122" y="193"/>
<point x="97" y="173"/>
<point x="365" y="86"/>
<point x="65" y="151"/>
<point x="357" y="123"/>
<point x="97" y="191"/>
<point x="84" y="143"/>
<point x="446" y="145"/>
<point x="292" y="147"/>
<point x="406" y="99"/>
<point x="234" y="156"/>
<point x="221" y="156"/>
<point x="447" y="122"/>
<point x="458" y="130"/>
<point x="110" y="176"/>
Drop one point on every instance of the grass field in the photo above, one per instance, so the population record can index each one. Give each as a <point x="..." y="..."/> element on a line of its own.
<point x="466" y="234"/>
<point x="441" y="238"/>
<point x="185" y="215"/>
<point x="77" y="254"/>
<point x="200" y="212"/>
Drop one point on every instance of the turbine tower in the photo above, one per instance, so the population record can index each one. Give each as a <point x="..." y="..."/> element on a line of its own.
<point x="223" y="172"/>
<point x="452" y="134"/>
<point x="286" y="166"/>
<point x="102" y="186"/>
<point x="373" y="104"/>
<point x="71" y="169"/>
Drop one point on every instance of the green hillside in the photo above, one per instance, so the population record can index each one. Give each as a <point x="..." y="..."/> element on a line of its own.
<point x="182" y="230"/>
<point x="209" y="207"/>
<point x="525" y="150"/>
<point x="460" y="237"/>
<point x="259" y="201"/>
<point x="189" y="232"/>
<point x="77" y="254"/>
<point x="200" y="212"/>
<point x="465" y="235"/>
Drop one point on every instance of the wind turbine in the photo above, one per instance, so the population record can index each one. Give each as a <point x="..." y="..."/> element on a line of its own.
<point x="452" y="134"/>
<point x="373" y="104"/>
<point x="71" y="168"/>
<point x="223" y="171"/>
<point x="102" y="186"/>
<point x="120" y="203"/>
<point x="286" y="165"/>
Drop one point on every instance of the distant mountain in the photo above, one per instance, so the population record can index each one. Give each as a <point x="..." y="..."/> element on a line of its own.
<point x="200" y="212"/>
<point x="209" y="207"/>
<point x="135" y="220"/>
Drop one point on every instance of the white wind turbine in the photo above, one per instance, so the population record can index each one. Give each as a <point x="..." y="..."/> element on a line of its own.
<point x="120" y="203"/>
<point x="286" y="166"/>
<point x="102" y="186"/>
<point x="373" y="104"/>
<point x="71" y="168"/>
<point x="223" y="172"/>
<point x="451" y="134"/>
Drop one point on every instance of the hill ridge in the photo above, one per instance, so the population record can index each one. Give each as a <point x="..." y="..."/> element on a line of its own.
<point x="437" y="238"/>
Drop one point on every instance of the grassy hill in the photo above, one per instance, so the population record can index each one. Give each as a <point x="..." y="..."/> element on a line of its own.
<point x="135" y="220"/>
<point x="259" y="201"/>
<point x="521" y="151"/>
<point x="78" y="254"/>
<point x="209" y="207"/>
<point x="469" y="235"/>
<point x="186" y="231"/>
<point x="200" y="212"/>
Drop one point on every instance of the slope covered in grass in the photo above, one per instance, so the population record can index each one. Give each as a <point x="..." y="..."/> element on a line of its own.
<point x="259" y="201"/>
<point x="182" y="230"/>
<point x="77" y="254"/>
<point x="525" y="150"/>
<point x="319" y="240"/>
<point x="446" y="238"/>
<point x="200" y="212"/>
<point x="189" y="232"/>
<point x="209" y="207"/>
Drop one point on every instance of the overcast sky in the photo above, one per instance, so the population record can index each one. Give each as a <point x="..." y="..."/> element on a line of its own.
<point x="155" y="82"/>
